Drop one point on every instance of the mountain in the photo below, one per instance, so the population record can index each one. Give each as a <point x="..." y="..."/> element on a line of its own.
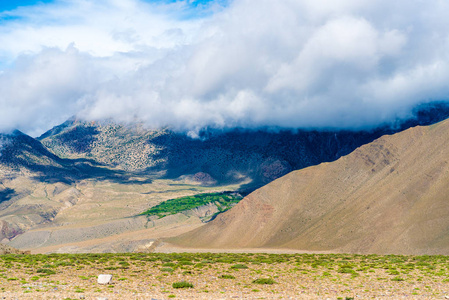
<point x="48" y="203"/>
<point x="21" y="154"/>
<point x="216" y="156"/>
<point x="82" y="186"/>
<point x="115" y="145"/>
<point x="37" y="185"/>
<point x="389" y="196"/>
<point x="19" y="151"/>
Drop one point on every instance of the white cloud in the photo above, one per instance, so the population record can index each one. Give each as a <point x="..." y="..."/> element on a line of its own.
<point x="292" y="63"/>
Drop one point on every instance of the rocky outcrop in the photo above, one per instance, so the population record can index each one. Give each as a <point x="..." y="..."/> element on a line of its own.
<point x="4" y="249"/>
<point x="8" y="231"/>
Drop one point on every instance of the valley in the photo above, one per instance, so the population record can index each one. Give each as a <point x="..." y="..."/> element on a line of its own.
<point x="58" y="216"/>
<point x="85" y="187"/>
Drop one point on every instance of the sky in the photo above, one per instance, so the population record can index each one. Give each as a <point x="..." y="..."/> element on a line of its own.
<point x="347" y="64"/>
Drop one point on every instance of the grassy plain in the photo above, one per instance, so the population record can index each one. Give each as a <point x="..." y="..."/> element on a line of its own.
<point x="224" y="276"/>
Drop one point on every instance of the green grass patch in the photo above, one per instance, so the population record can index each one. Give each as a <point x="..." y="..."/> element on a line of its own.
<point x="169" y="270"/>
<point x="46" y="271"/>
<point x="182" y="285"/>
<point x="239" y="266"/>
<point x="264" y="281"/>
<point x="223" y="201"/>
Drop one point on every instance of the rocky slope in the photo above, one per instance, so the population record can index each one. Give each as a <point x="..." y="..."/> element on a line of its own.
<point x="389" y="196"/>
<point x="4" y="249"/>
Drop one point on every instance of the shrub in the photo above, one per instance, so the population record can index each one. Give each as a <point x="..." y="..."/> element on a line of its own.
<point x="397" y="278"/>
<point x="46" y="271"/>
<point x="170" y="270"/>
<point x="182" y="285"/>
<point x="347" y="271"/>
<point x="264" y="281"/>
<point x="227" y="276"/>
<point x="239" y="266"/>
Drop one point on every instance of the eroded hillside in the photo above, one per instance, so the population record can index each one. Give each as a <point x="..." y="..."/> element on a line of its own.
<point x="389" y="196"/>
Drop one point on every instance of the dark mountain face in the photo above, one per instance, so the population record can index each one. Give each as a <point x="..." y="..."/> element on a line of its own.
<point x="22" y="153"/>
<point x="226" y="156"/>
<point x="263" y="156"/>
<point x="20" y="150"/>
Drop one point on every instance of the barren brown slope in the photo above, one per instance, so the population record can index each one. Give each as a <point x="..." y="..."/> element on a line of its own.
<point x="390" y="196"/>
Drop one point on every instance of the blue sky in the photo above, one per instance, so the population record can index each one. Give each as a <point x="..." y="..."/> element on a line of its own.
<point x="190" y="64"/>
<point x="6" y="5"/>
<point x="13" y="4"/>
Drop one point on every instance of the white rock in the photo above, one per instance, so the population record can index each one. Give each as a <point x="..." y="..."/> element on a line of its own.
<point x="104" y="279"/>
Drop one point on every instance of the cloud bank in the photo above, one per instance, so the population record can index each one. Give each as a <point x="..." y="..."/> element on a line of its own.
<point x="287" y="63"/>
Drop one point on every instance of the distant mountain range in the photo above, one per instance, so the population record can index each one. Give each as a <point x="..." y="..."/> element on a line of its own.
<point x="216" y="156"/>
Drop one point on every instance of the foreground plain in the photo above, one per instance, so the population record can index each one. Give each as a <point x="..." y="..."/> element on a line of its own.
<point x="224" y="276"/>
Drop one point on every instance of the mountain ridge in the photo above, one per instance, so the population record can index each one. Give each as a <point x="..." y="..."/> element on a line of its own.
<point x="223" y="156"/>
<point x="386" y="197"/>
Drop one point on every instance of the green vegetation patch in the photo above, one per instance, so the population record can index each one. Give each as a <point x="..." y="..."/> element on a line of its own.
<point x="46" y="271"/>
<point x="239" y="266"/>
<point x="182" y="285"/>
<point x="223" y="201"/>
<point x="166" y="269"/>
<point x="264" y="281"/>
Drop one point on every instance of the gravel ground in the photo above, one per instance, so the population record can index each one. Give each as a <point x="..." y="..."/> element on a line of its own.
<point x="294" y="276"/>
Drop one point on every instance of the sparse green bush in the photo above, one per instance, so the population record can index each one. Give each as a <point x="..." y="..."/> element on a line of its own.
<point x="347" y="271"/>
<point x="264" y="281"/>
<point x="170" y="270"/>
<point x="397" y="278"/>
<point x="239" y="266"/>
<point x="169" y="264"/>
<point x="45" y="271"/>
<point x="182" y="285"/>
